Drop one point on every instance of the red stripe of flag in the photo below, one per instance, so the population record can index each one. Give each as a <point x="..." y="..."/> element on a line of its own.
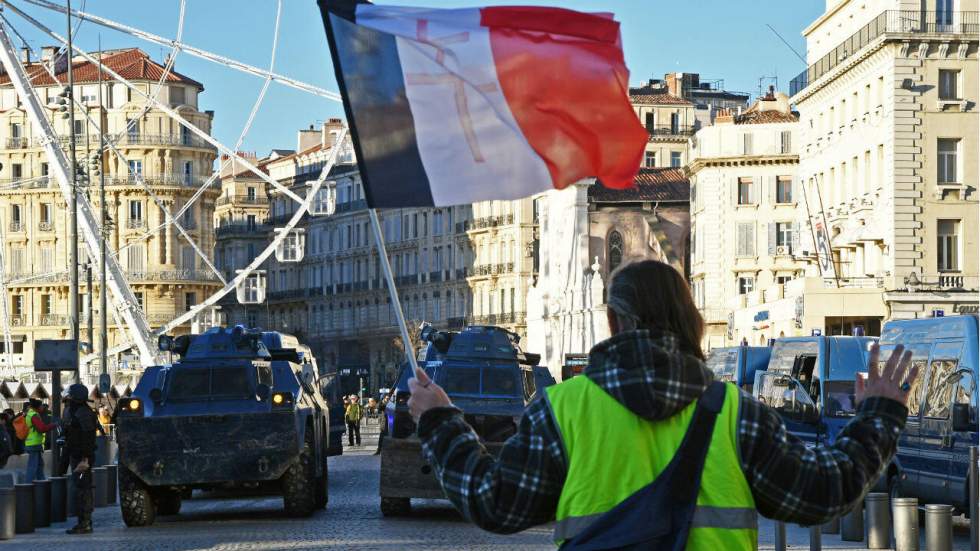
<point x="565" y="81"/>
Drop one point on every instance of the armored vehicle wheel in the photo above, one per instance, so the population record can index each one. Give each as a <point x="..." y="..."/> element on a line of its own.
<point x="135" y="501"/>
<point x="167" y="502"/>
<point x="299" y="485"/>
<point x="395" y="506"/>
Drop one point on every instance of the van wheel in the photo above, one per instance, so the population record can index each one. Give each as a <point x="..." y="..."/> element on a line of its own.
<point x="299" y="485"/>
<point x="135" y="501"/>
<point x="396" y="506"/>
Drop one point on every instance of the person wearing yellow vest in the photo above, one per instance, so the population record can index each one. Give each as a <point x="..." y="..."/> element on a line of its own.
<point x="34" y="443"/>
<point x="645" y="450"/>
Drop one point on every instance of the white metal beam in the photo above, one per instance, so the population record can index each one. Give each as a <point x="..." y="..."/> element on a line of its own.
<point x="197" y="52"/>
<point x="61" y="170"/>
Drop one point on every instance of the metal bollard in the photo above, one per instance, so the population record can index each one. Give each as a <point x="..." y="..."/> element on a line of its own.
<point x="939" y="527"/>
<point x="59" y="499"/>
<point x="815" y="543"/>
<point x="832" y="527"/>
<point x="974" y="498"/>
<point x="852" y="524"/>
<point x="780" y="536"/>
<point x="905" y="519"/>
<point x="42" y="503"/>
<point x="8" y="513"/>
<point x="878" y="521"/>
<point x="100" y="480"/>
<point x="112" y="485"/>
<point x="25" y="508"/>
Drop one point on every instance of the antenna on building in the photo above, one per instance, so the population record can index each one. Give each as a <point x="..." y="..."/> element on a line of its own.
<point x="765" y="82"/>
<point x="792" y="49"/>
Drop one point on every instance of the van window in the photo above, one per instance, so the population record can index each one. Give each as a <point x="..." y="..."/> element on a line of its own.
<point x="840" y="398"/>
<point x="722" y="362"/>
<point x="529" y="383"/>
<point x="784" y="353"/>
<point x="920" y="357"/>
<point x="939" y="396"/>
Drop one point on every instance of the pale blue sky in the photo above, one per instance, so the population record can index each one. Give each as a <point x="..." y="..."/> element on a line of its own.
<point x="720" y="39"/>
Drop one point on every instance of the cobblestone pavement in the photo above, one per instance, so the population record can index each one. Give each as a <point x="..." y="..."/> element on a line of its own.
<point x="352" y="520"/>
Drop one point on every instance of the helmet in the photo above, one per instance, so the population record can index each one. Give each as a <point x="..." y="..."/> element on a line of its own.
<point x="78" y="392"/>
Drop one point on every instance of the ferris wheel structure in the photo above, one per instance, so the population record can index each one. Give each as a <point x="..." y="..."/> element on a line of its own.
<point x="248" y="284"/>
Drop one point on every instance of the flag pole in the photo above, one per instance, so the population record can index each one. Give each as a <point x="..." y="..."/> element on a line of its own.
<point x="392" y="291"/>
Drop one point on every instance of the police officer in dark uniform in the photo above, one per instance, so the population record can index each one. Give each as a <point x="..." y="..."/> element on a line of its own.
<point x="80" y="425"/>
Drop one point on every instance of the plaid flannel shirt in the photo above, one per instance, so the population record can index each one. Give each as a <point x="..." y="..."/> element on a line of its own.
<point x="648" y="373"/>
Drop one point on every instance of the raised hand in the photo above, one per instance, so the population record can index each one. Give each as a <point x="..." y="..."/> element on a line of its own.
<point x="425" y="394"/>
<point x="895" y="379"/>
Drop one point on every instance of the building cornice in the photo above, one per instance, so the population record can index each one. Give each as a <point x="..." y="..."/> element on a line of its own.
<point x="905" y="39"/>
<point x="739" y="160"/>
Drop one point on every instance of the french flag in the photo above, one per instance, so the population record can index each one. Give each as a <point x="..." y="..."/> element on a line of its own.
<point x="453" y="106"/>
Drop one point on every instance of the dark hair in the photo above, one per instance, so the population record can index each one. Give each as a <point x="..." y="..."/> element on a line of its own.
<point x="649" y="294"/>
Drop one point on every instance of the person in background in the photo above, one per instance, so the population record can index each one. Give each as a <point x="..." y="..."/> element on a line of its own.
<point x="6" y="445"/>
<point x="17" y="445"/>
<point x="80" y="426"/>
<point x="353" y="414"/>
<point x="643" y="389"/>
<point x="104" y="419"/>
<point x="34" y="443"/>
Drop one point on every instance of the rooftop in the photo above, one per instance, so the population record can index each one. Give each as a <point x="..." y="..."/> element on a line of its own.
<point x="646" y="96"/>
<point x="651" y="184"/>
<point x="131" y="63"/>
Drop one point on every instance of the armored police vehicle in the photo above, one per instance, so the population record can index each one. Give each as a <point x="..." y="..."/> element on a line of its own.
<point x="486" y="375"/>
<point x="239" y="409"/>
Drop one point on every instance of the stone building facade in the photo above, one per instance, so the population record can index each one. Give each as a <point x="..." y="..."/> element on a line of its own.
<point x="164" y="271"/>
<point x="586" y="232"/>
<point x="889" y="145"/>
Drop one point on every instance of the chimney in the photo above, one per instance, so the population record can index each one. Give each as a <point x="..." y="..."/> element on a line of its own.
<point x="674" y="83"/>
<point x="47" y="52"/>
<point x="25" y="55"/>
<point x="329" y="130"/>
<point x="307" y="138"/>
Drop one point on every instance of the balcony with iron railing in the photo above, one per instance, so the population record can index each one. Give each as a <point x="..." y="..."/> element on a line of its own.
<point x="45" y="226"/>
<point x="19" y="142"/>
<point x="53" y="319"/>
<point x="138" y="139"/>
<point x="16" y="226"/>
<point x="28" y="182"/>
<point x="901" y="23"/>
<point x="242" y="200"/>
<point x="252" y="230"/>
<point x="658" y="131"/>
<point x="179" y="275"/>
<point x="170" y="180"/>
<point x="352" y="206"/>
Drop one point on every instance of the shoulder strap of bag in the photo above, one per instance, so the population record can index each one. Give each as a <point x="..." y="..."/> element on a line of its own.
<point x="694" y="448"/>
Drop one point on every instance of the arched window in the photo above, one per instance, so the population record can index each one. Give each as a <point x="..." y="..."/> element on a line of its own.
<point x="615" y="253"/>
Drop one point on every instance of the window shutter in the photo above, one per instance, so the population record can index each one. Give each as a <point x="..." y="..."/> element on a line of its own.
<point x="771" y="184"/>
<point x="734" y="187"/>
<point x="796" y="237"/>
<point x="797" y="192"/>
<point x="772" y="239"/>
